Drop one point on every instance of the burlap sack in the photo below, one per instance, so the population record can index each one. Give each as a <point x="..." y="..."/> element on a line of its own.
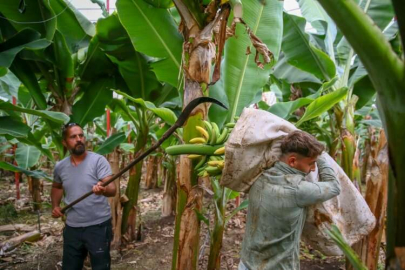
<point x="254" y="145"/>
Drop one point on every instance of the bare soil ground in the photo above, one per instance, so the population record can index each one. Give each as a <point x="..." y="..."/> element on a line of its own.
<point x="154" y="251"/>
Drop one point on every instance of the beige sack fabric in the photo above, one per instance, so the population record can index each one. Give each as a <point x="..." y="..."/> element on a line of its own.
<point x="254" y="145"/>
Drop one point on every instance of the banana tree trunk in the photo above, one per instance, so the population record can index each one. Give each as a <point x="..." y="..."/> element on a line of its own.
<point x="132" y="190"/>
<point x="189" y="196"/>
<point x="151" y="172"/>
<point x="169" y="193"/>
<point x="214" y="258"/>
<point x="35" y="190"/>
<point x="115" y="203"/>
<point x="376" y="198"/>
<point x="198" y="54"/>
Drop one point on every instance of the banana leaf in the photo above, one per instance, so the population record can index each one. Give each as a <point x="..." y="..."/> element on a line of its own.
<point x="109" y="145"/>
<point x="301" y="53"/>
<point x="322" y="104"/>
<point x="96" y="97"/>
<point x="153" y="33"/>
<point x="165" y="114"/>
<point x="36" y="12"/>
<point x="57" y="117"/>
<point x="319" y="19"/>
<point x="9" y="84"/>
<point x="133" y="66"/>
<point x="26" y="156"/>
<point x="10" y="126"/>
<point x="241" y="79"/>
<point x="26" y="39"/>
<point x="36" y="174"/>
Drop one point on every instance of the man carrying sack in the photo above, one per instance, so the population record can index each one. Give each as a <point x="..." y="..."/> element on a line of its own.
<point x="278" y="202"/>
<point x="254" y="147"/>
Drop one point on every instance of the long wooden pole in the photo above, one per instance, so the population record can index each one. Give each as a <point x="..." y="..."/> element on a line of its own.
<point x="180" y="121"/>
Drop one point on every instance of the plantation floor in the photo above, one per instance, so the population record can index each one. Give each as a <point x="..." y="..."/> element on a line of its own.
<point x="154" y="251"/>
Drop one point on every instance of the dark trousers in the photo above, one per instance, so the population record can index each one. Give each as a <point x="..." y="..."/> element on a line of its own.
<point x="93" y="240"/>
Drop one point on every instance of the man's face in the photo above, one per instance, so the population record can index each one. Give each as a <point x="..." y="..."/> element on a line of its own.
<point x="75" y="141"/>
<point x="301" y="163"/>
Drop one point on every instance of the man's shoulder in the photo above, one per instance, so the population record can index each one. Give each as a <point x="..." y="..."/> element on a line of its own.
<point x="275" y="176"/>
<point x="97" y="159"/>
<point x="62" y="163"/>
<point x="95" y="156"/>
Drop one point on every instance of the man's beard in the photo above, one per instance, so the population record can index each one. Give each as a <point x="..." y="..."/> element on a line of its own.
<point x="78" y="149"/>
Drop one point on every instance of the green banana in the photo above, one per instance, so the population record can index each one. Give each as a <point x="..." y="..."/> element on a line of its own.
<point x="199" y="149"/>
<point x="215" y="133"/>
<point x="215" y="158"/>
<point x="212" y="171"/>
<point x="208" y="126"/>
<point x="193" y="156"/>
<point x="230" y="125"/>
<point x="200" y="163"/>
<point x="222" y="136"/>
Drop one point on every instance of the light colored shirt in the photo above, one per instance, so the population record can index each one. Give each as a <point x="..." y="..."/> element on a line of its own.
<point x="78" y="180"/>
<point x="277" y="213"/>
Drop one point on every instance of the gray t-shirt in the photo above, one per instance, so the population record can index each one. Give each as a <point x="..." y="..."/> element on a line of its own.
<point x="76" y="181"/>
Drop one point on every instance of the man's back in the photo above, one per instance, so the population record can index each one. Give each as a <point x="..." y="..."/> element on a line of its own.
<point x="277" y="212"/>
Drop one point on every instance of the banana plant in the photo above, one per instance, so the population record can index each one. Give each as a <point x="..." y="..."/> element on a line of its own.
<point x="142" y="115"/>
<point x="386" y="70"/>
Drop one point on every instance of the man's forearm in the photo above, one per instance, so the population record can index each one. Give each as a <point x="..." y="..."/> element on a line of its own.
<point x="110" y="188"/>
<point x="56" y="197"/>
<point x="326" y="173"/>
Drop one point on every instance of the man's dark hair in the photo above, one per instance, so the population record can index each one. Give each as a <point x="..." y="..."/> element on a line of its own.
<point x="301" y="143"/>
<point x="66" y="127"/>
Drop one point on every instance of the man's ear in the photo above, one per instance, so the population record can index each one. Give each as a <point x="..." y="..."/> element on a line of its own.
<point x="64" y="143"/>
<point x="291" y="160"/>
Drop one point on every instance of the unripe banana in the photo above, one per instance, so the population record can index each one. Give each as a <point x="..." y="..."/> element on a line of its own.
<point x="213" y="137"/>
<point x="222" y="137"/>
<point x="198" y="140"/>
<point x="220" y="151"/>
<point x="208" y="126"/>
<point x="230" y="125"/>
<point x="203" y="132"/>
<point x="215" y="132"/>
<point x="215" y="158"/>
<point x="193" y="156"/>
<point x="200" y="163"/>
<point x="212" y="171"/>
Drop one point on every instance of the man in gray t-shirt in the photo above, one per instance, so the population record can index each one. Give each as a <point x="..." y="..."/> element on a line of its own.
<point x="88" y="225"/>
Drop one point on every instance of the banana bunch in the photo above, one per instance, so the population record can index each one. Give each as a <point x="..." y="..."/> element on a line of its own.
<point x="211" y="134"/>
<point x="207" y="148"/>
<point x="211" y="165"/>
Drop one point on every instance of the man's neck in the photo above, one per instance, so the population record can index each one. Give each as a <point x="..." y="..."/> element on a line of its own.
<point x="77" y="159"/>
